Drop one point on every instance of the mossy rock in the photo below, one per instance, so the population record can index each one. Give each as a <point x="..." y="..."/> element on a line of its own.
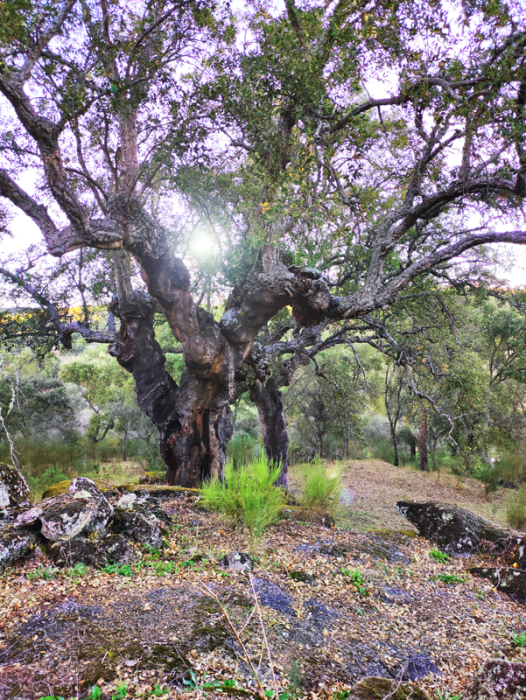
<point x="314" y="516"/>
<point x="57" y="489"/>
<point x="380" y="688"/>
<point x="156" y="490"/>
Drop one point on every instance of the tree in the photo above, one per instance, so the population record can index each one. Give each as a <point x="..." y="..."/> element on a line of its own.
<point x="324" y="200"/>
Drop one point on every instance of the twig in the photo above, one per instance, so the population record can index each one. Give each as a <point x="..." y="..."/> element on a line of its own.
<point x="207" y="590"/>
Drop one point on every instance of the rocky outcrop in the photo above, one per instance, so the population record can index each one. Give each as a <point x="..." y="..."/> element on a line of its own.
<point x="14" y="545"/>
<point x="137" y="527"/>
<point x="104" y="511"/>
<point x="498" y="680"/>
<point x="455" y="530"/>
<point x="14" y="491"/>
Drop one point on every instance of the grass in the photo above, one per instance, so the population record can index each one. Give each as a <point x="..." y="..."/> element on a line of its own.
<point x="247" y="496"/>
<point x="320" y="485"/>
<point x="516" y="509"/>
<point x="438" y="555"/>
<point x="449" y="579"/>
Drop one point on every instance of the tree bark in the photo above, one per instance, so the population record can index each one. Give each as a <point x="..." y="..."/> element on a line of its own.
<point x="269" y="402"/>
<point x="193" y="419"/>
<point x="422" y="443"/>
<point x="396" y="460"/>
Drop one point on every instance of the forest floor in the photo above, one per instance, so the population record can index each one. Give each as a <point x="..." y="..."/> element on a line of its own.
<point x="377" y="485"/>
<point x="373" y="603"/>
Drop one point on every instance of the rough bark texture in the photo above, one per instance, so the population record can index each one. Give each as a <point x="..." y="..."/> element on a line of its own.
<point x="422" y="444"/>
<point x="269" y="402"/>
<point x="193" y="419"/>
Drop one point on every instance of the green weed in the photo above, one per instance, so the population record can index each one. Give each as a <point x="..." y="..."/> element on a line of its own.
<point x="119" y="569"/>
<point x="449" y="578"/>
<point x="121" y="692"/>
<point x="76" y="571"/>
<point x="519" y="639"/>
<point x="356" y="578"/>
<point x="320" y="485"/>
<point x="438" y="555"/>
<point x="247" y="496"/>
<point x="95" y="693"/>
<point x="46" y="573"/>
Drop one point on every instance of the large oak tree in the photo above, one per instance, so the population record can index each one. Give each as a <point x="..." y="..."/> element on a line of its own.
<point x="339" y="152"/>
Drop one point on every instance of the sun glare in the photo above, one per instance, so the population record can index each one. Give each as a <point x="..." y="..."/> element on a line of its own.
<point x="202" y="244"/>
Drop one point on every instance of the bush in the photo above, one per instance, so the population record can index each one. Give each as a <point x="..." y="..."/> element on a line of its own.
<point x="247" y="497"/>
<point x="516" y="509"/>
<point x="52" y="475"/>
<point x="319" y="486"/>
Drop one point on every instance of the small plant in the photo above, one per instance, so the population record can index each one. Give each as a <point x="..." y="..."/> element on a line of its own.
<point x="158" y="691"/>
<point x="449" y="578"/>
<point x="438" y="555"/>
<point x="356" y="578"/>
<point x="77" y="571"/>
<point x="95" y="693"/>
<point x="121" y="692"/>
<point x="480" y="596"/>
<point x="46" y="573"/>
<point x="119" y="569"/>
<point x="519" y="639"/>
<point x="446" y="695"/>
<point x="247" y="495"/>
<point x="320" y="485"/>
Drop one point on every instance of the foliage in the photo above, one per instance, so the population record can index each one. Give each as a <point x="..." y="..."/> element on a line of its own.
<point x="356" y="578"/>
<point x="438" y="555"/>
<point x="519" y="639"/>
<point x="516" y="509"/>
<point x="46" y="573"/>
<point x="247" y="497"/>
<point x="321" y="484"/>
<point x="449" y="578"/>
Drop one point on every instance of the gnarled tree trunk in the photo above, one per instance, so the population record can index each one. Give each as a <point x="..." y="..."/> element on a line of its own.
<point x="193" y="419"/>
<point x="269" y="402"/>
<point x="422" y="443"/>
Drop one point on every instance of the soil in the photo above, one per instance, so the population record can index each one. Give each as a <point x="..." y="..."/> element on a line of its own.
<point x="321" y="609"/>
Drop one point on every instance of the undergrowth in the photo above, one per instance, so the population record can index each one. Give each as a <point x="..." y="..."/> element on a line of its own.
<point x="320" y="485"/>
<point x="516" y="509"/>
<point x="247" y="496"/>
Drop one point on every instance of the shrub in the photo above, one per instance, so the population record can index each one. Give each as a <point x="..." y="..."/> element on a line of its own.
<point x="52" y="475"/>
<point x="319" y="486"/>
<point x="247" y="496"/>
<point x="516" y="509"/>
<point x="438" y="555"/>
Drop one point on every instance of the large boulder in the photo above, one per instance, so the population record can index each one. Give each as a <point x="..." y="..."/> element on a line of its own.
<point x="453" y="529"/>
<point x="14" y="545"/>
<point x="14" y="491"/>
<point x="104" y="508"/>
<point x="499" y="679"/>
<point x="66" y="516"/>
<point x="77" y="551"/>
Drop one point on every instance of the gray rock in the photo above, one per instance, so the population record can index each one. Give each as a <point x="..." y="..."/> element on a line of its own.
<point x="28" y="517"/>
<point x="104" y="512"/>
<point x="237" y="561"/>
<point x="118" y="550"/>
<point x="381" y="688"/>
<point x="347" y="497"/>
<point x="14" y="545"/>
<point x="64" y="517"/>
<point x="498" y="680"/>
<point x="127" y="501"/>
<point x="14" y="491"/>
<point x="137" y="527"/>
<point x="453" y="529"/>
<point x="78" y="551"/>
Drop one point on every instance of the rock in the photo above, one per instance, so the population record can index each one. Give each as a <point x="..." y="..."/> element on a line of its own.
<point x="315" y="516"/>
<point x="137" y="527"/>
<point x="302" y="577"/>
<point x="418" y="666"/>
<point x="28" y="517"/>
<point x="64" y="517"/>
<point x="335" y="550"/>
<point x="272" y="596"/>
<point x="380" y="688"/>
<point x="14" y="491"/>
<point x="498" y="680"/>
<point x="78" y="551"/>
<point x="56" y="489"/>
<point x="118" y="550"/>
<point x="126" y="501"/>
<point x="453" y="529"/>
<point x="14" y="545"/>
<point x="237" y="561"/>
<point x="104" y="508"/>
<point x="504" y="578"/>
<point x="347" y="497"/>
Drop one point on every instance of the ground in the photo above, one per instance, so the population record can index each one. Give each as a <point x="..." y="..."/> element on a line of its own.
<point x="322" y="607"/>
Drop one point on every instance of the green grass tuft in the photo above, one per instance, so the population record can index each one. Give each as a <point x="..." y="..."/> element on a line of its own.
<point x="247" y="496"/>
<point x="320" y="485"/>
